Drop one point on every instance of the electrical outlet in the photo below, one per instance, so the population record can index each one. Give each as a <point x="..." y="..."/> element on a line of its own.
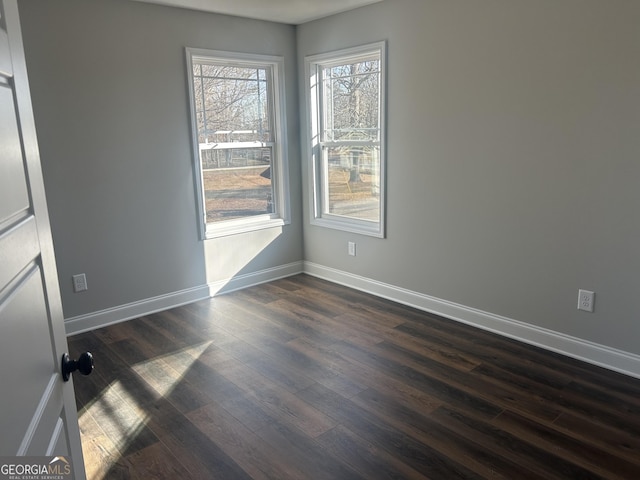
<point x="352" y="248"/>
<point x="585" y="300"/>
<point x="79" y="283"/>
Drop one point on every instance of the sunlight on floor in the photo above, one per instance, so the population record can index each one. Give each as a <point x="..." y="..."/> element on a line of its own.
<point x="122" y="419"/>
<point x="165" y="372"/>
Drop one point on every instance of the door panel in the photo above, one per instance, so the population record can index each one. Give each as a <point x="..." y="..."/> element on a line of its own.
<point x="18" y="247"/>
<point x="13" y="186"/>
<point x="43" y="424"/>
<point x="24" y="319"/>
<point x="58" y="443"/>
<point x="5" y="55"/>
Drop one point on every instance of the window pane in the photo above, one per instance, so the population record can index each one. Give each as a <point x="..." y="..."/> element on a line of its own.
<point x="237" y="182"/>
<point x="351" y="101"/>
<point x="241" y="167"/>
<point x="346" y="90"/>
<point x="353" y="178"/>
<point x="197" y="87"/>
<point x="232" y="99"/>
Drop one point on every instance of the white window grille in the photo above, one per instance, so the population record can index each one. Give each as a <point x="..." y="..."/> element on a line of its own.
<point x="346" y="95"/>
<point x="237" y="115"/>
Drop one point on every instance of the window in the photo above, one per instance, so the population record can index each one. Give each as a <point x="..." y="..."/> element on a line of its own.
<point x="346" y="102"/>
<point x="239" y="140"/>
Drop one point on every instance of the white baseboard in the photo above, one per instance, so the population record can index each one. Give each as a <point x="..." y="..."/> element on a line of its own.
<point x="109" y="316"/>
<point x="603" y="356"/>
<point x="248" y="280"/>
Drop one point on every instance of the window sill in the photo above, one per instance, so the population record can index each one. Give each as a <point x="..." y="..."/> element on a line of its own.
<point x="232" y="227"/>
<point x="373" y="229"/>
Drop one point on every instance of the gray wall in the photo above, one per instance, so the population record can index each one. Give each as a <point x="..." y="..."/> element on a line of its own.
<point x="513" y="158"/>
<point x="110" y="100"/>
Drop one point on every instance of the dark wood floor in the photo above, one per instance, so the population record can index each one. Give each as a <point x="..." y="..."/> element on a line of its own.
<point x="304" y="379"/>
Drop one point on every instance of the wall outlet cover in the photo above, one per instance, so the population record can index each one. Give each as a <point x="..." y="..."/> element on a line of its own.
<point x="585" y="300"/>
<point x="79" y="283"/>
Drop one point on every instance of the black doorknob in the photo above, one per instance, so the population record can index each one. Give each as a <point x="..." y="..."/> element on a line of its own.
<point x="84" y="365"/>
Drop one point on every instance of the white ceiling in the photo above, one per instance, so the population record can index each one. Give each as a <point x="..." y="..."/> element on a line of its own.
<point x="283" y="11"/>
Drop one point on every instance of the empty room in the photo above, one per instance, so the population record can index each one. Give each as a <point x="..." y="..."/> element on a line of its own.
<point x="313" y="239"/>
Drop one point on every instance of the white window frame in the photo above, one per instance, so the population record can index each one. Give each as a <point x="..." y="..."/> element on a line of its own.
<point x="279" y="164"/>
<point x="314" y="97"/>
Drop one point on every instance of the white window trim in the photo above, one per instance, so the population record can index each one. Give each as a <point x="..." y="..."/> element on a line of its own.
<point x="279" y="164"/>
<point x="313" y="92"/>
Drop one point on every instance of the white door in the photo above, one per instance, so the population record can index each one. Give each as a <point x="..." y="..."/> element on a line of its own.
<point x="38" y="415"/>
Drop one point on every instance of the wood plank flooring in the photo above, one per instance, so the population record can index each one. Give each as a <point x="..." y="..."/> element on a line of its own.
<point x="304" y="379"/>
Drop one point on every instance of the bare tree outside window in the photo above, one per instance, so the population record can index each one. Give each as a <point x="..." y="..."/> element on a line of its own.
<point x="351" y="93"/>
<point x="234" y="136"/>
<point x="234" y="117"/>
<point x="346" y="88"/>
